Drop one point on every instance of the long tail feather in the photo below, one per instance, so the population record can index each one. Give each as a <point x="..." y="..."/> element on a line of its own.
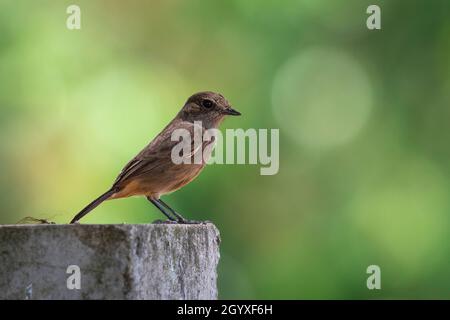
<point x="93" y="205"/>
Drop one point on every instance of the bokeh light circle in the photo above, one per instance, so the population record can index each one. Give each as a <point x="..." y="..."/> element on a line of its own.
<point x="322" y="98"/>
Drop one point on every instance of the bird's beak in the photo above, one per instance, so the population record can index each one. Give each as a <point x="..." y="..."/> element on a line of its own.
<point x="230" y="111"/>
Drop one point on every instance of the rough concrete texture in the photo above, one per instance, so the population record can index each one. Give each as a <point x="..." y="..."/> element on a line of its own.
<point x="148" y="261"/>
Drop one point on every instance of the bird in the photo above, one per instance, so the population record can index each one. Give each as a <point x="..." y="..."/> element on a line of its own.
<point x="152" y="173"/>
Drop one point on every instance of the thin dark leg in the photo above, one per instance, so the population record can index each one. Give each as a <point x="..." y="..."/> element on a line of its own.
<point x="179" y="216"/>
<point x="176" y="214"/>
<point x="161" y="208"/>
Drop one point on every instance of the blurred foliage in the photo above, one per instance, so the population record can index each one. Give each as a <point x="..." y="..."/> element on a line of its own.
<point x="363" y="118"/>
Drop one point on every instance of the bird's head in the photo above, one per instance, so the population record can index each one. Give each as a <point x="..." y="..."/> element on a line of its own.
<point x="208" y="107"/>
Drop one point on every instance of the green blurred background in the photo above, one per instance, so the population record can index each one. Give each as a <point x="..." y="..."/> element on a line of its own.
<point x="363" y="118"/>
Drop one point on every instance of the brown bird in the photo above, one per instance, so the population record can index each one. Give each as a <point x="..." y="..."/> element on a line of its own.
<point x="153" y="173"/>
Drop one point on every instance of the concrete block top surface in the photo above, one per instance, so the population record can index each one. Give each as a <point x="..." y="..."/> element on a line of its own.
<point x="124" y="261"/>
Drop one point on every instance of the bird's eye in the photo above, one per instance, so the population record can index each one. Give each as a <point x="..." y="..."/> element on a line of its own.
<point x="207" y="103"/>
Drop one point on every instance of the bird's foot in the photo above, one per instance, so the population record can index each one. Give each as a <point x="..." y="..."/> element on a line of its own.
<point x="185" y="221"/>
<point x="164" y="222"/>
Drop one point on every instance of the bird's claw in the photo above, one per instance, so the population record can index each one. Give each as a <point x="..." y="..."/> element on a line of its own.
<point x="164" y="222"/>
<point x="185" y="221"/>
<point x="181" y="221"/>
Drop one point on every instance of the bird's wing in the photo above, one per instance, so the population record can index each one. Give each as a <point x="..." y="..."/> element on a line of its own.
<point x="157" y="153"/>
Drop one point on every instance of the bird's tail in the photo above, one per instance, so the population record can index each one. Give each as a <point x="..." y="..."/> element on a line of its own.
<point x="94" y="204"/>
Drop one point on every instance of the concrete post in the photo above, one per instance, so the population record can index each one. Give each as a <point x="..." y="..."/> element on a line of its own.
<point x="147" y="261"/>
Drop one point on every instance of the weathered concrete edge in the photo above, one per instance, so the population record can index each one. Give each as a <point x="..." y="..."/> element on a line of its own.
<point x="132" y="232"/>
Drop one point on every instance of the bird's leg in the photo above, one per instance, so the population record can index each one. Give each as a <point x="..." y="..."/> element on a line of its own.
<point x="176" y="214"/>
<point x="180" y="218"/>
<point x="161" y="208"/>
